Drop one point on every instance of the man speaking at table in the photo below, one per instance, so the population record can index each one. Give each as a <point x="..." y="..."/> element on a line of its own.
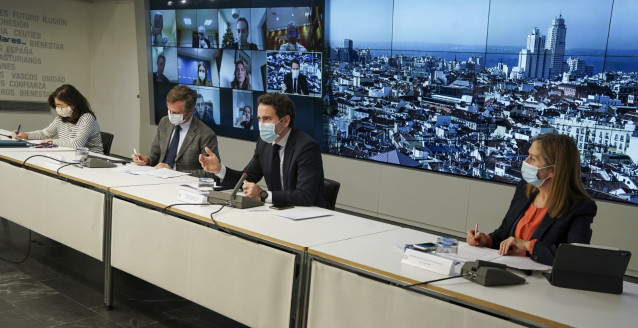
<point x="180" y="137"/>
<point x="289" y="159"/>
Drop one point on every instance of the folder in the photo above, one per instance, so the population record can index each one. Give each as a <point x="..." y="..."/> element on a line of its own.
<point x="588" y="267"/>
<point x="13" y="143"/>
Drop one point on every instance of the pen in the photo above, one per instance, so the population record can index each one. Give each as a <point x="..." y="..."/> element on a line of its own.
<point x="18" y="131"/>
<point x="135" y="152"/>
<point x="475" y="233"/>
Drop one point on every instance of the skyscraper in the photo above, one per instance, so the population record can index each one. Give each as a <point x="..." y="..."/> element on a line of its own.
<point x="532" y="61"/>
<point x="556" y="35"/>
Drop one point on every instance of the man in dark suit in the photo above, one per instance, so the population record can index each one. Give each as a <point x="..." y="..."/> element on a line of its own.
<point x="295" y="82"/>
<point x="287" y="158"/>
<point x="180" y="137"/>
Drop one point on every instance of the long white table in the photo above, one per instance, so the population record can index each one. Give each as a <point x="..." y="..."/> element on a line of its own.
<point x="337" y="271"/>
<point x="71" y="205"/>
<point x="341" y="289"/>
<point x="249" y="279"/>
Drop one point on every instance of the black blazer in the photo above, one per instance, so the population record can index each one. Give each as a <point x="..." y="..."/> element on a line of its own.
<point x="573" y="227"/>
<point x="303" y="171"/>
<point x="302" y="84"/>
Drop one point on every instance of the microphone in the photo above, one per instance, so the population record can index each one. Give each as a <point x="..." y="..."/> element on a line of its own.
<point x="239" y="183"/>
<point x="232" y="199"/>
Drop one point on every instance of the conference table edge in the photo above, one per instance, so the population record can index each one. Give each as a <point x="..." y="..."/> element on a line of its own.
<point x="440" y="291"/>
<point x="126" y="196"/>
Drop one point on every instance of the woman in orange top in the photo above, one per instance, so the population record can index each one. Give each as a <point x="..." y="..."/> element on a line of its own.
<point x="550" y="205"/>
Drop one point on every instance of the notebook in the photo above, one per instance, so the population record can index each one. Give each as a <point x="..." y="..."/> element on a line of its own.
<point x="589" y="267"/>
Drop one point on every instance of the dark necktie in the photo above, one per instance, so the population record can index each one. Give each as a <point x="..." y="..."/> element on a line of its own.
<point x="275" y="176"/>
<point x="294" y="86"/>
<point x="171" y="153"/>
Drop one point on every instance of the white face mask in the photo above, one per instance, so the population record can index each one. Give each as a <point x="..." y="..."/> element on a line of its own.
<point x="295" y="73"/>
<point x="176" y="119"/>
<point x="202" y="75"/>
<point x="530" y="174"/>
<point x="64" y="111"/>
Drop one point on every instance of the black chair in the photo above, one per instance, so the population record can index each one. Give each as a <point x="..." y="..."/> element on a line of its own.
<point x="332" y="190"/>
<point x="107" y="140"/>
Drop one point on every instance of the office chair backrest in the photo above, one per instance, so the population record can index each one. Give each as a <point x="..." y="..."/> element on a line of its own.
<point x="107" y="140"/>
<point x="332" y="190"/>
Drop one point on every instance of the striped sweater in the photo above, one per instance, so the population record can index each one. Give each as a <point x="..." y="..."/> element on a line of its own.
<point x="86" y="133"/>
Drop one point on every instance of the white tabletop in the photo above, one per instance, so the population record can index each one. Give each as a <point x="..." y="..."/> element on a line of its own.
<point x="102" y="178"/>
<point x="259" y="221"/>
<point x="379" y="254"/>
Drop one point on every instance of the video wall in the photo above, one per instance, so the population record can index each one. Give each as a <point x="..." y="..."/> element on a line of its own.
<point x="231" y="52"/>
<point x="459" y="87"/>
<point x="463" y="86"/>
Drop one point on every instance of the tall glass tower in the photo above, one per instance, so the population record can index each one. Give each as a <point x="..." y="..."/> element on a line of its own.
<point x="556" y="45"/>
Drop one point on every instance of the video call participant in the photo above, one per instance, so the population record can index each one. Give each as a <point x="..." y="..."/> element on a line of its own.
<point x="202" y="112"/>
<point x="157" y="39"/>
<point x="159" y="75"/>
<point x="286" y="157"/>
<point x="75" y="126"/>
<point x="549" y="207"/>
<point x="201" y="41"/>
<point x="294" y="82"/>
<point x="242" y="36"/>
<point x="245" y="120"/>
<point x="202" y="76"/>
<point x="241" y="78"/>
<point x="180" y="137"/>
<point x="291" y="35"/>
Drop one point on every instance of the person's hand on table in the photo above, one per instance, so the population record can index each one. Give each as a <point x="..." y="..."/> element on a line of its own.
<point x="18" y="135"/>
<point x="474" y="239"/>
<point x="512" y="246"/>
<point x="163" y="166"/>
<point x="251" y="190"/>
<point x="140" y="159"/>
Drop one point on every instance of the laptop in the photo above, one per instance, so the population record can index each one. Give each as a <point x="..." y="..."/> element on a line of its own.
<point x="589" y="267"/>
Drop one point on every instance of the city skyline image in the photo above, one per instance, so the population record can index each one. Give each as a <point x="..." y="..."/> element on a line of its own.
<point x="463" y="87"/>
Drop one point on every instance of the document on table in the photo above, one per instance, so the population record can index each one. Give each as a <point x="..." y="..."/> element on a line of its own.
<point x="134" y="169"/>
<point x="165" y="173"/>
<point x="150" y="171"/>
<point x="472" y="253"/>
<point x="301" y="213"/>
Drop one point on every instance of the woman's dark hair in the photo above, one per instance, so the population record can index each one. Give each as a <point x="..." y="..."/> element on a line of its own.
<point x="69" y="95"/>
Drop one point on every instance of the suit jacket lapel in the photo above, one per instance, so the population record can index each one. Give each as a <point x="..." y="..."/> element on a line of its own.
<point x="288" y="152"/>
<point x="547" y="223"/>
<point x="190" y="135"/>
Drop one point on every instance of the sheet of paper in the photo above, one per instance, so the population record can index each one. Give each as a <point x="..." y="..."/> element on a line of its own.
<point x="133" y="169"/>
<point x="472" y="253"/>
<point x="301" y="213"/>
<point x="165" y="173"/>
<point x="521" y="262"/>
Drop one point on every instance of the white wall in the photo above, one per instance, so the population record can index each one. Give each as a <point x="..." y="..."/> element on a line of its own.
<point x="113" y="70"/>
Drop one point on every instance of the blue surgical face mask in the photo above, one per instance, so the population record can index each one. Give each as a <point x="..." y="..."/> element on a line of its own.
<point x="267" y="131"/>
<point x="530" y="174"/>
